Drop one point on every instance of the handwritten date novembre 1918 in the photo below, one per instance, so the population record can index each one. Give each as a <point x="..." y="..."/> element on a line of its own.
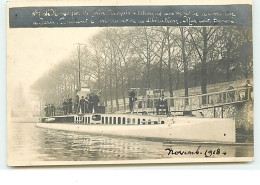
<point x="206" y="153"/>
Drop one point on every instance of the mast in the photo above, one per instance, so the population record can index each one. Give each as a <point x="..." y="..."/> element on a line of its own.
<point x="78" y="47"/>
<point x="79" y="66"/>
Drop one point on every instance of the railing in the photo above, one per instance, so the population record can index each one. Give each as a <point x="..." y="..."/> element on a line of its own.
<point x="182" y="104"/>
<point x="190" y="103"/>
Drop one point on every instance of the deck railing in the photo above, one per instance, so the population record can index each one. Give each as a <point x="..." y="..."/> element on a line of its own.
<point x="190" y="103"/>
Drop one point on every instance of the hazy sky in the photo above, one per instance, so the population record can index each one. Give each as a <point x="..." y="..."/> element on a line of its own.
<point x="31" y="52"/>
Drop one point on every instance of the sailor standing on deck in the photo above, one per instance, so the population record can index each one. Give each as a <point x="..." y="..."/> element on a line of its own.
<point x="162" y="104"/>
<point x="76" y="105"/>
<point x="95" y="100"/>
<point x="131" y="100"/>
<point x="82" y="104"/>
<point x="249" y="91"/>
<point x="86" y="105"/>
<point x="50" y="113"/>
<point x="70" y="106"/>
<point x="49" y="110"/>
<point x="65" y="107"/>
<point x="53" y="109"/>
<point x="90" y="102"/>
<point x="46" y="110"/>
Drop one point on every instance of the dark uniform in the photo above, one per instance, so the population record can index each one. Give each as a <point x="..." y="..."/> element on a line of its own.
<point x="90" y="102"/>
<point x="248" y="92"/>
<point x="76" y="105"/>
<point x="70" y="106"/>
<point x="95" y="100"/>
<point x="162" y="104"/>
<point x="86" y="105"/>
<point x="49" y="110"/>
<point x="65" y="107"/>
<point x="149" y="102"/>
<point x="52" y="110"/>
<point x="82" y="105"/>
<point x="131" y="100"/>
<point x="46" y="110"/>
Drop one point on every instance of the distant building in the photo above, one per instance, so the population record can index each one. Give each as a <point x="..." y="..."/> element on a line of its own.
<point x="19" y="103"/>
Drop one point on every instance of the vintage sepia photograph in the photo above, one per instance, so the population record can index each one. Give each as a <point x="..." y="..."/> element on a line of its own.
<point x="121" y="84"/>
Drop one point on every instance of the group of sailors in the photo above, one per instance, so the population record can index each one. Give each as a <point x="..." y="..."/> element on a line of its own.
<point x="49" y="110"/>
<point x="67" y="106"/>
<point x="88" y="104"/>
<point x="162" y="103"/>
<point x="83" y="105"/>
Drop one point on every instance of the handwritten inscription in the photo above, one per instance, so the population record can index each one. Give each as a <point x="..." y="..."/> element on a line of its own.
<point x="54" y="16"/>
<point x="198" y="151"/>
<point x="103" y="16"/>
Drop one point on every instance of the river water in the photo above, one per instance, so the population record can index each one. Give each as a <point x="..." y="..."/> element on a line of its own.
<point x="28" y="143"/>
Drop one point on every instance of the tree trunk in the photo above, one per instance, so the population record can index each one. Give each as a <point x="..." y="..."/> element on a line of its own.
<point x="169" y="64"/>
<point x="160" y="74"/>
<point x="105" y="92"/>
<point x="99" y="76"/>
<point x="123" y="94"/>
<point x="185" y="64"/>
<point x="195" y="75"/>
<point x="105" y="88"/>
<point x="178" y="79"/>
<point x="122" y="85"/>
<point x="229" y="59"/>
<point x="204" y="65"/>
<point x="116" y="79"/>
<point x="111" y="84"/>
<point x="161" y="65"/>
<point x="147" y="61"/>
<point x="148" y="84"/>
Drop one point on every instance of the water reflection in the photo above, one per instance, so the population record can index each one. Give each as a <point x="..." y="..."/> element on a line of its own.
<point x="29" y="143"/>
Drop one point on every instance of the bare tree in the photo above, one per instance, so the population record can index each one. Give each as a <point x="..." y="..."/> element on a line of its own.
<point x="143" y="44"/>
<point x="204" y="39"/>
